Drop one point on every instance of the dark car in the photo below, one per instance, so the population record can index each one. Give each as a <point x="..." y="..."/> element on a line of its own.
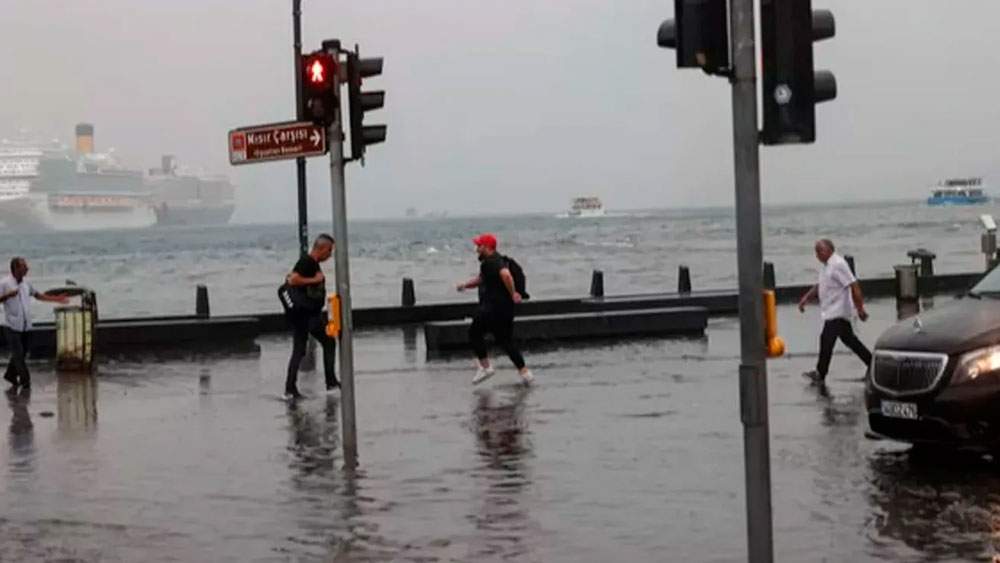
<point x="935" y="378"/>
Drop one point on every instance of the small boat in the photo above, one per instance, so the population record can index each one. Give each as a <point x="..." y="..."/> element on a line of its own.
<point x="586" y="207"/>
<point x="959" y="191"/>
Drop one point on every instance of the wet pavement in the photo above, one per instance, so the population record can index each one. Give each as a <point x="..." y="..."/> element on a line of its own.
<point x="620" y="452"/>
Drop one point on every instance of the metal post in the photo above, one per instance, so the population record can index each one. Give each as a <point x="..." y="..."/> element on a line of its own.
<point x="300" y="163"/>
<point x="336" y="140"/>
<point x="749" y="247"/>
<point x="309" y="361"/>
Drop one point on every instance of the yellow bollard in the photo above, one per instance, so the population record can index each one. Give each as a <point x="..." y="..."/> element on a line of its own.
<point x="773" y="343"/>
<point x="333" y="324"/>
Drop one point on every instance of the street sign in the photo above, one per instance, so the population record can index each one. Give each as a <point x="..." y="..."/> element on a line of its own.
<point x="278" y="141"/>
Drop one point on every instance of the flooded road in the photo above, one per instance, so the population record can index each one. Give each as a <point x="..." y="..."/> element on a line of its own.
<point x="627" y="452"/>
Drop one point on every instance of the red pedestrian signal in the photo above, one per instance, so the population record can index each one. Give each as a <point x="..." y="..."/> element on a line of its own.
<point x="317" y="72"/>
<point x="319" y="96"/>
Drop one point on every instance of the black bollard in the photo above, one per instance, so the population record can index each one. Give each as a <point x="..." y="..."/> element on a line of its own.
<point x="597" y="284"/>
<point x="201" y="309"/>
<point x="769" y="276"/>
<point x="409" y="293"/>
<point x="925" y="258"/>
<point x="927" y="266"/>
<point x="683" y="280"/>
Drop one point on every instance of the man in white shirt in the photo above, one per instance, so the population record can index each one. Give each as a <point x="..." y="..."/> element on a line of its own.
<point x="839" y="296"/>
<point x="15" y="294"/>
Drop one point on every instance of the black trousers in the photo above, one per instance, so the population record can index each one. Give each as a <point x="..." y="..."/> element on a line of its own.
<point x="499" y="323"/>
<point x="18" y="343"/>
<point x="832" y="330"/>
<point x="302" y="327"/>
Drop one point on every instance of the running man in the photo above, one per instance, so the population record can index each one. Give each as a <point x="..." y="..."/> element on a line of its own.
<point x="496" y="309"/>
<point x="15" y="294"/>
<point x="839" y="293"/>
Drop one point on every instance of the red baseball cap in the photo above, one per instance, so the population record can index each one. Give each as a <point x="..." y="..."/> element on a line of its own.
<point x="489" y="240"/>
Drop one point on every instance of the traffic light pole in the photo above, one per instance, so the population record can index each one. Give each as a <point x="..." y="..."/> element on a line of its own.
<point x="300" y="163"/>
<point x="749" y="248"/>
<point x="335" y="138"/>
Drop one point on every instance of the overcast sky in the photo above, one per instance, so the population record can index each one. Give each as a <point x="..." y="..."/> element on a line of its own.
<point x="506" y="106"/>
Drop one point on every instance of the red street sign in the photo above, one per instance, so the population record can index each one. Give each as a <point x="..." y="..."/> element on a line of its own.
<point x="278" y="141"/>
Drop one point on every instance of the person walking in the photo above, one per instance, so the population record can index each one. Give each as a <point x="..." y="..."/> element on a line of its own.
<point x="495" y="315"/>
<point x="839" y="296"/>
<point x="16" y="293"/>
<point x="307" y="285"/>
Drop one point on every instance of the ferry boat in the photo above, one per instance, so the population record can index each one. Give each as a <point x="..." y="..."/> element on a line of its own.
<point x="586" y="207"/>
<point x="959" y="191"/>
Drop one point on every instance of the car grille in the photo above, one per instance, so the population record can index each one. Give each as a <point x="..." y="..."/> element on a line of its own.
<point x="904" y="373"/>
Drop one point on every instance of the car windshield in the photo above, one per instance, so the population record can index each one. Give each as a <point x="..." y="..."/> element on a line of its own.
<point x="990" y="284"/>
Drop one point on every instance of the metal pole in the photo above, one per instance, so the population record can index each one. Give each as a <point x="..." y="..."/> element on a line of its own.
<point x="336" y="141"/>
<point x="753" y="369"/>
<point x="309" y="361"/>
<point x="300" y="163"/>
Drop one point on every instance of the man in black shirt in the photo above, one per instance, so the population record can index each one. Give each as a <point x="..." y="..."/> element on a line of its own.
<point x="309" y="283"/>
<point x="497" y="297"/>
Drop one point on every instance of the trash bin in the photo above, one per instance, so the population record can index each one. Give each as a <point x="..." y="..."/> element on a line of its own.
<point x="906" y="282"/>
<point x="76" y="326"/>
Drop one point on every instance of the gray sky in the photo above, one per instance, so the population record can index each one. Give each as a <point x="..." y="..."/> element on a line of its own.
<point x="505" y="106"/>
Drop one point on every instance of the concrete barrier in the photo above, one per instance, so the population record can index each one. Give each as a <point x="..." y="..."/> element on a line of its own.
<point x="718" y="303"/>
<point x="453" y="335"/>
<point x="127" y="336"/>
<point x="222" y="332"/>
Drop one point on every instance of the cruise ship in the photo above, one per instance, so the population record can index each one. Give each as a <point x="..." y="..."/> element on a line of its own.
<point x="188" y="199"/>
<point x="52" y="187"/>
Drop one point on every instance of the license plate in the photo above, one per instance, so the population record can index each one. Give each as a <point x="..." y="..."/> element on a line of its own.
<point x="896" y="409"/>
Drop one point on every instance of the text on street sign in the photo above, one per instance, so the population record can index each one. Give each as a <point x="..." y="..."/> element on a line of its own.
<point x="280" y="141"/>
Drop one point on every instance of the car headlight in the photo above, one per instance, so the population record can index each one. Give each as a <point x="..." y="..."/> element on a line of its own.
<point x="974" y="364"/>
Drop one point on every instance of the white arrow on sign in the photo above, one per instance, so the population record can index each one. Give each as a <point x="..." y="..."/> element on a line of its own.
<point x="315" y="138"/>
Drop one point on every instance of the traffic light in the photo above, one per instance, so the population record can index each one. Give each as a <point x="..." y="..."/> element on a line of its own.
<point x="360" y="102"/>
<point x="699" y="33"/>
<point x="791" y="88"/>
<point x="318" y="88"/>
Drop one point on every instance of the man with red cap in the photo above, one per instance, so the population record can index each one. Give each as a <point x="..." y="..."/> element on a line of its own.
<point x="497" y="298"/>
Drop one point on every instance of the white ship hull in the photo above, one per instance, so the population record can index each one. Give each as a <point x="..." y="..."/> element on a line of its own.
<point x="36" y="212"/>
<point x="586" y="213"/>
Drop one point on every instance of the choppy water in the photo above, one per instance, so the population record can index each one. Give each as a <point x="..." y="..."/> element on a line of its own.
<point x="155" y="271"/>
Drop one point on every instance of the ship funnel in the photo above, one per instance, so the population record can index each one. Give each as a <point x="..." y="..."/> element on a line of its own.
<point x="167" y="164"/>
<point x="84" y="138"/>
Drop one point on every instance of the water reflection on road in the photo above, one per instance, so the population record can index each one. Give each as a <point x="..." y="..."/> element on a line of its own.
<point x="620" y="452"/>
<point x="502" y="477"/>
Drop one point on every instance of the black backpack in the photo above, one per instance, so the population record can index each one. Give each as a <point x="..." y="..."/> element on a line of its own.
<point x="516" y="272"/>
<point x="298" y="300"/>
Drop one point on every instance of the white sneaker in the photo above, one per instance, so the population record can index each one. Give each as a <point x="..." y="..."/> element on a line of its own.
<point x="527" y="377"/>
<point x="482" y="374"/>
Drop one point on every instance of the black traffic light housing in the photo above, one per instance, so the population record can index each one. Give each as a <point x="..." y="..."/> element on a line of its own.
<point x="700" y="34"/>
<point x="790" y="87"/>
<point x="360" y="102"/>
<point x="319" y="101"/>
